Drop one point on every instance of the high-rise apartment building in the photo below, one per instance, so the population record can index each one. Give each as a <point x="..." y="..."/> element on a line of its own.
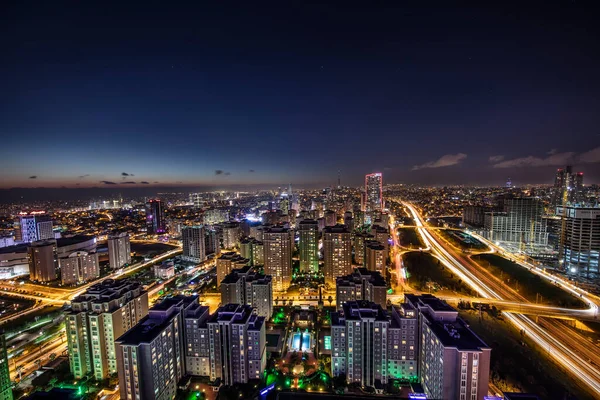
<point x="237" y="344"/>
<point x="581" y="241"/>
<point x="337" y="253"/>
<point x="253" y="250"/>
<point x="474" y="216"/>
<point x="193" y="238"/>
<point x="5" y="383"/>
<point x="362" y="284"/>
<point x="382" y="235"/>
<point x="308" y="232"/>
<point x="151" y="356"/>
<point x="520" y="222"/>
<point x="43" y="265"/>
<point x="373" y="192"/>
<point x="33" y="227"/>
<point x="119" y="250"/>
<point x="212" y="240"/>
<point x="99" y="316"/>
<point x="360" y="238"/>
<point x="232" y="234"/>
<point x="454" y="363"/>
<point x="278" y="245"/>
<point x="246" y="286"/>
<point x="375" y="256"/>
<point x="330" y="218"/>
<point x="227" y="262"/>
<point x="79" y="267"/>
<point x="349" y="221"/>
<point x="155" y="217"/>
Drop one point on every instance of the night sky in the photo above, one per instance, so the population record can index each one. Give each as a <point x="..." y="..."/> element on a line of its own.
<point x="238" y="93"/>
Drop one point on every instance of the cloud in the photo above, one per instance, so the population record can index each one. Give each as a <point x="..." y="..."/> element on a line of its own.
<point x="444" y="161"/>
<point x="155" y="182"/>
<point x="219" y="172"/>
<point x="251" y="170"/>
<point x="590" y="157"/>
<point x="145" y="183"/>
<point x="495" y="159"/>
<point x="83" y="176"/>
<point x="108" y="182"/>
<point x="554" y="160"/>
<point x="126" y="174"/>
<point x="387" y="168"/>
<point x="33" y="177"/>
<point x="227" y="173"/>
<point x="128" y="183"/>
<point x="552" y="152"/>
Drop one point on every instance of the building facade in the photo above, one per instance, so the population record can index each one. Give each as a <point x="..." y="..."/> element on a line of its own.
<point x="43" y="265"/>
<point x="373" y="192"/>
<point x="227" y="262"/>
<point x="33" y="227"/>
<point x="520" y="222"/>
<point x="79" y="267"/>
<point x="362" y="284"/>
<point x="278" y="245"/>
<point x="337" y="253"/>
<point x="247" y="286"/>
<point x="5" y="383"/>
<point x="193" y="238"/>
<point x="308" y="245"/>
<point x="99" y="316"/>
<point x="119" y="250"/>
<point x="155" y="217"/>
<point x="581" y="241"/>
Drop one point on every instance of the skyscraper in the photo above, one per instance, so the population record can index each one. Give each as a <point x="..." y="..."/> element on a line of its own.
<point x="99" y="316"/>
<point x="193" y="238"/>
<point x="33" y="227"/>
<point x="237" y="344"/>
<point x="43" y="266"/>
<point x="155" y="217"/>
<point x="568" y="187"/>
<point x="232" y="234"/>
<point x="521" y="222"/>
<point x="227" y="262"/>
<point x="5" y="383"/>
<point x="374" y="192"/>
<point x="330" y="218"/>
<point x="337" y="253"/>
<point x="581" y="241"/>
<point x="246" y="286"/>
<point x="119" y="250"/>
<point x="278" y="243"/>
<point x="308" y="231"/>
<point x="376" y="256"/>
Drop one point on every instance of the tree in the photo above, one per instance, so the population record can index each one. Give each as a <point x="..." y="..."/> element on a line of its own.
<point x="52" y="357"/>
<point x="276" y="302"/>
<point x="330" y="300"/>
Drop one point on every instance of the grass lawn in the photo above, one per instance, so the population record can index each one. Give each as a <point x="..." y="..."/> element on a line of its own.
<point x="527" y="283"/>
<point x="517" y="367"/>
<point x="463" y="240"/>
<point x="426" y="273"/>
<point x="409" y="238"/>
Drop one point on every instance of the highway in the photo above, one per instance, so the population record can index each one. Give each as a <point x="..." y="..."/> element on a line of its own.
<point x="578" y="366"/>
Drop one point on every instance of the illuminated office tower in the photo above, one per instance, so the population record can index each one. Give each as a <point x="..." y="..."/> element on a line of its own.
<point x="375" y="256"/>
<point x="568" y="187"/>
<point x="194" y="238"/>
<point x="232" y="234"/>
<point x="150" y="356"/>
<point x="362" y="284"/>
<point x="119" y="250"/>
<point x="581" y="241"/>
<point x="97" y="317"/>
<point x="227" y="262"/>
<point x="337" y="253"/>
<point x="278" y="244"/>
<point x="237" y="344"/>
<point x="308" y="232"/>
<point x="155" y="217"/>
<point x="79" y="267"/>
<point x="33" y="227"/>
<point x="246" y="286"/>
<point x="330" y="218"/>
<point x="374" y="192"/>
<point x="5" y="383"/>
<point x="454" y="363"/>
<point x="43" y="266"/>
<point x="359" y="247"/>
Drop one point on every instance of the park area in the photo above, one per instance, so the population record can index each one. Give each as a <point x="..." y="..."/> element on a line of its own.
<point x="409" y="237"/>
<point x="463" y="240"/>
<point x="529" y="285"/>
<point x="428" y="274"/>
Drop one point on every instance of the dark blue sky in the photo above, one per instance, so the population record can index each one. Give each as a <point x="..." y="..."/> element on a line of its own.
<point x="172" y="94"/>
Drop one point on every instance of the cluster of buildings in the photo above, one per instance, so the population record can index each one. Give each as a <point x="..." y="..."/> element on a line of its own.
<point x="566" y="228"/>
<point x="110" y="329"/>
<point x="421" y="340"/>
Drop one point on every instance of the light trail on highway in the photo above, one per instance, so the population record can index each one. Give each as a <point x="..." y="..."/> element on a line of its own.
<point x="574" y="364"/>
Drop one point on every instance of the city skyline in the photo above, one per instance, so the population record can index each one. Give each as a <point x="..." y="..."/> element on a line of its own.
<point x="208" y="98"/>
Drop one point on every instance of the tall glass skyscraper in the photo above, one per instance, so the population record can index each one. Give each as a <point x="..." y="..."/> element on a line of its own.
<point x="155" y="217"/>
<point x="374" y="192"/>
